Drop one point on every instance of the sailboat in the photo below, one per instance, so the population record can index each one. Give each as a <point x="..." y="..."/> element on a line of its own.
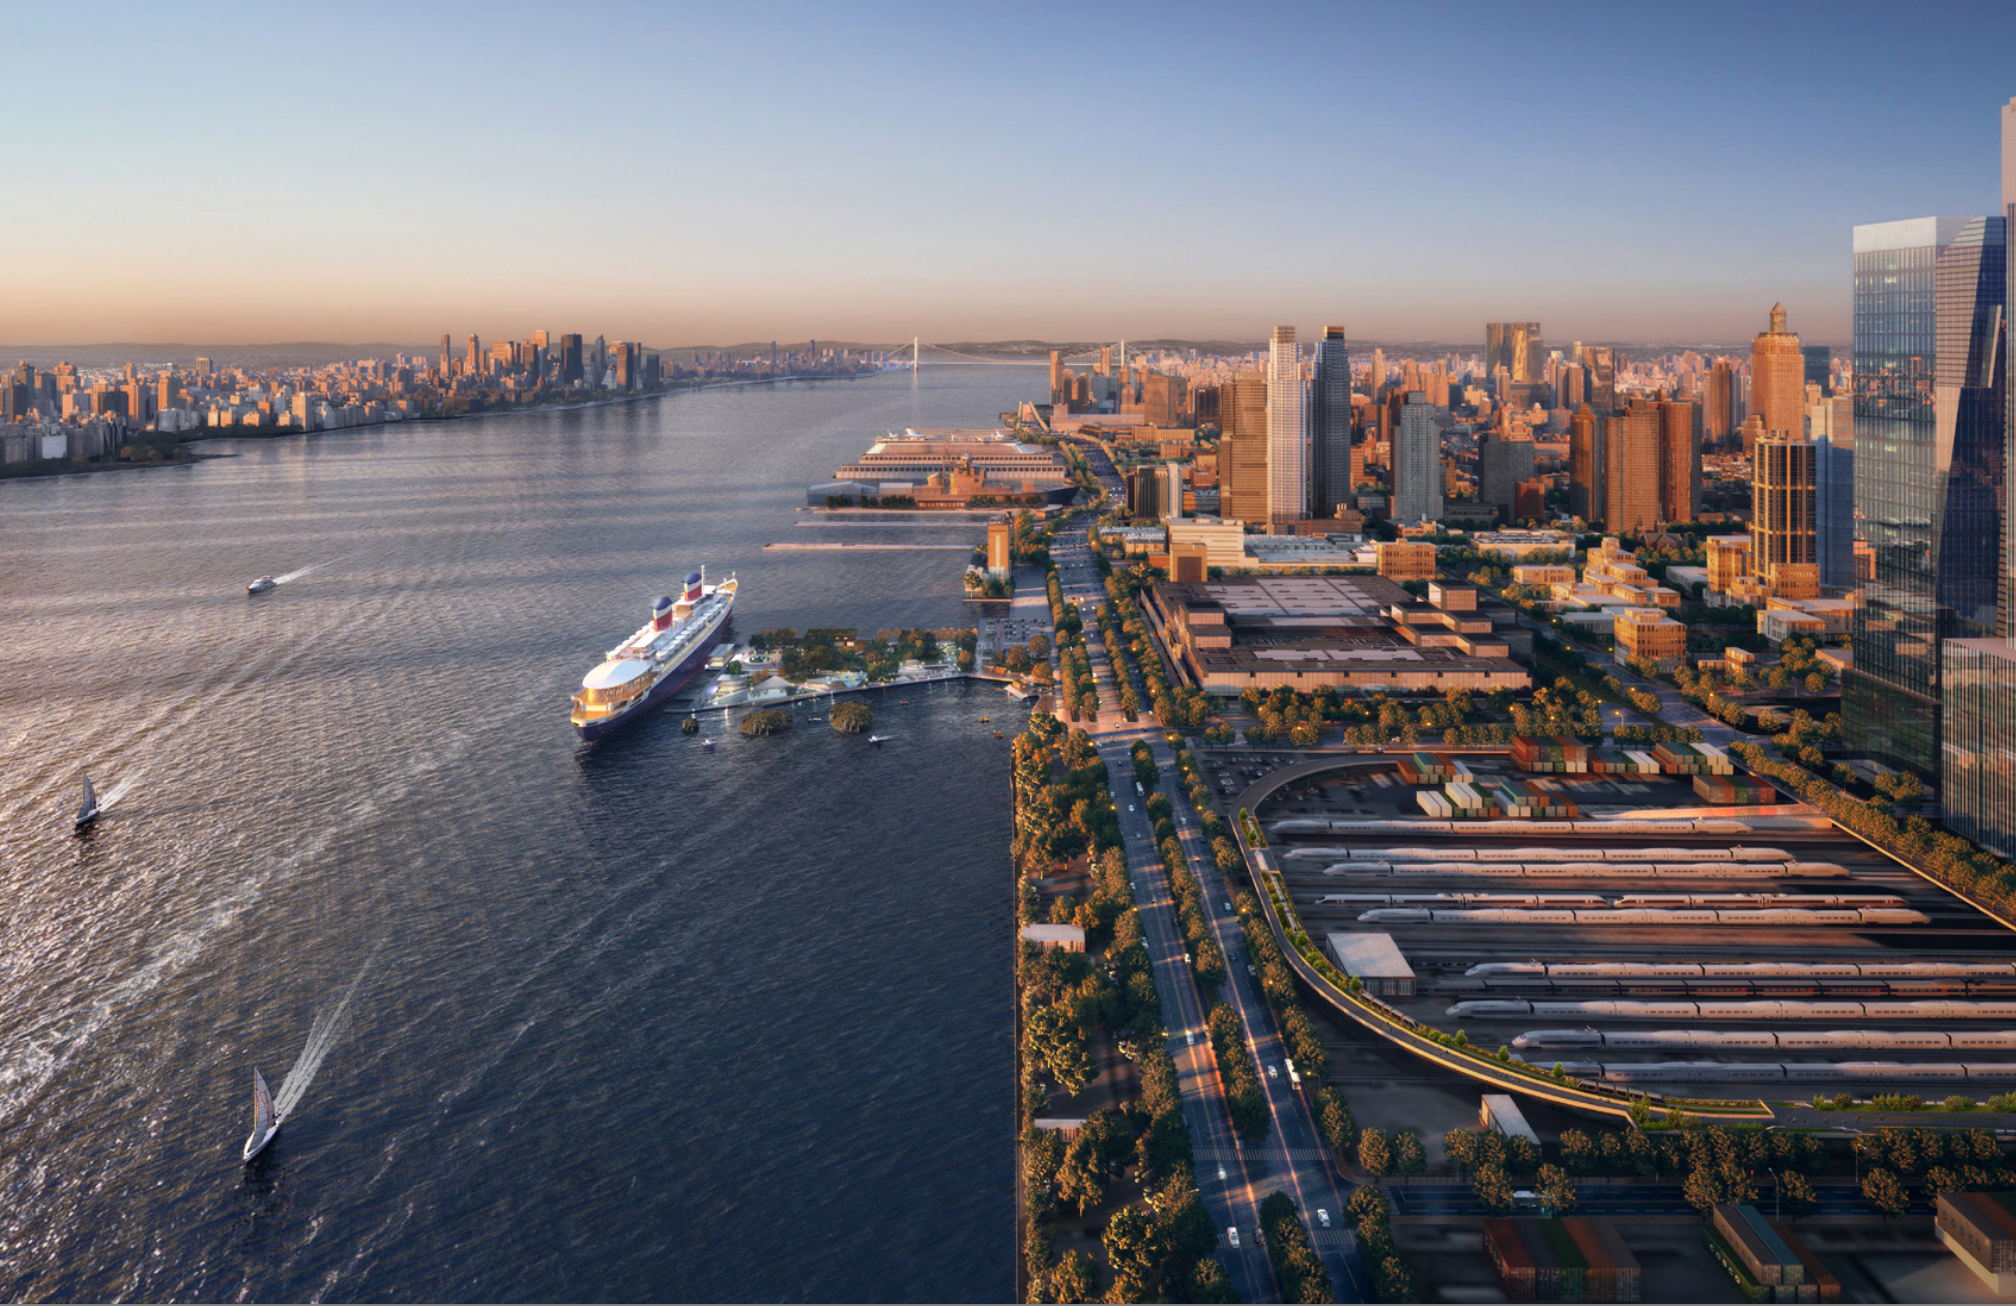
<point x="265" y="1120"/>
<point x="87" y="811"/>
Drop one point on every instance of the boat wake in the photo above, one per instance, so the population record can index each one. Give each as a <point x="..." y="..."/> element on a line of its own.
<point x="118" y="791"/>
<point x="322" y="1036"/>
<point x="297" y="575"/>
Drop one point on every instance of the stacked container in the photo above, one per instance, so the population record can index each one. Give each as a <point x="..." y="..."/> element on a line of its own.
<point x="1571" y="1259"/>
<point x="1725" y="791"/>
<point x="1551" y="755"/>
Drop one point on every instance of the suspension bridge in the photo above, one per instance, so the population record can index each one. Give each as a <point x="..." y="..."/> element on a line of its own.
<point x="923" y="353"/>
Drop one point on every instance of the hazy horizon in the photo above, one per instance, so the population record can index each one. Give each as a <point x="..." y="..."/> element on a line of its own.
<point x="691" y="175"/>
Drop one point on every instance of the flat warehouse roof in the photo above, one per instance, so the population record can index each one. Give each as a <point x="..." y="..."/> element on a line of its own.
<point x="1370" y="956"/>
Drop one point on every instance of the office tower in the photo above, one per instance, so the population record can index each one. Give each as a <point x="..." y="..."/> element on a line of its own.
<point x="1679" y="460"/>
<point x="1778" y="377"/>
<point x="1173" y="509"/>
<point x="1502" y="463"/>
<point x="1162" y="399"/>
<point x="1631" y="468"/>
<point x="1601" y="360"/>
<point x="1105" y="360"/>
<point x="1287" y="437"/>
<point x="1718" y="415"/>
<point x="1830" y="424"/>
<point x="474" y="367"/>
<point x="1585" y="465"/>
<point x="1417" y="462"/>
<point x="1819" y="367"/>
<point x="570" y="358"/>
<point x="540" y="340"/>
<point x="1242" y="448"/>
<point x="1514" y="346"/>
<point x="1783" y="507"/>
<point x="1057" y="392"/>
<point x="1930" y="425"/>
<point x="447" y="357"/>
<point x="1572" y="386"/>
<point x="599" y="362"/>
<point x="1330" y="424"/>
<point x="1376" y="382"/>
<point x="1977" y="783"/>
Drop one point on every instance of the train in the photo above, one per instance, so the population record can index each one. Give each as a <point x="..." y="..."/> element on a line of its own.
<point x="1770" y="1040"/>
<point x="1600" y="870"/>
<point x="1778" y="1072"/>
<point x="1736" y="853"/>
<point x="1782" y="916"/>
<point x="1684" y="825"/>
<point x="1753" y="1009"/>
<point x="1975" y="970"/>
<point x="1597" y="900"/>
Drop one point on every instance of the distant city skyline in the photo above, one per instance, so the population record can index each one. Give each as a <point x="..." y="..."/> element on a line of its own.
<point x="688" y="176"/>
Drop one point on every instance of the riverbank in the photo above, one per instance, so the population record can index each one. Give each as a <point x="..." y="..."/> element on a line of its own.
<point x="63" y="467"/>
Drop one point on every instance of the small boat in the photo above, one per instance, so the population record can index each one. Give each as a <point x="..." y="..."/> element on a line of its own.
<point x="261" y="585"/>
<point x="985" y="720"/>
<point x="87" y="811"/>
<point x="265" y="1120"/>
<point x="707" y="744"/>
<point x="876" y="739"/>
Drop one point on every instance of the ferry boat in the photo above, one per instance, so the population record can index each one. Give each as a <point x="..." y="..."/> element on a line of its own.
<point x="653" y="664"/>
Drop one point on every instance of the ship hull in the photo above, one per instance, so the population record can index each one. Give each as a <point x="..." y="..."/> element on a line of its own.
<point x="670" y="681"/>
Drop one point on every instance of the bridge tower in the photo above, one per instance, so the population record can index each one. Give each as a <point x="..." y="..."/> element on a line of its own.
<point x="914" y="353"/>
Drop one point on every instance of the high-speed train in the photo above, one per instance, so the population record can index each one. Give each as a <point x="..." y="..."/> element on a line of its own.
<point x="1753" y="1009"/>
<point x="1771" y="1040"/>
<point x="1738" y="853"/>
<point x="1596" y="900"/>
<point x="1778" y="1072"/>
<point x="1782" y="916"/>
<point x="1693" y="825"/>
<point x="1974" y="970"/>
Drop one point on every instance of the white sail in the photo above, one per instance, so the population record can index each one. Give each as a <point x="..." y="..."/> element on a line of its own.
<point x="263" y="1117"/>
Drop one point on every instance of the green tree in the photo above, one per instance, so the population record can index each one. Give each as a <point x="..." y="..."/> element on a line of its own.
<point x="1208" y="1282"/>
<point x="1796" y="1196"/>
<point x="1556" y="1189"/>
<point x="1408" y="1156"/>
<point x="1882" y="1190"/>
<point x="1075" y="1279"/>
<point x="1131" y="1254"/>
<point x="1375" y="1157"/>
<point x="1492" y="1189"/>
<point x="1702" y="1190"/>
<point x="1057" y="1041"/>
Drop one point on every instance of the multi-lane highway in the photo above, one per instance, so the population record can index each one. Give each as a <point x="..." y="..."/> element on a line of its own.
<point x="1232" y="1177"/>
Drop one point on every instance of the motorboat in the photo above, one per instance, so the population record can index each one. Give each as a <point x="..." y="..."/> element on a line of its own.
<point x="261" y="585"/>
<point x="265" y="1120"/>
<point x="707" y="744"/>
<point x="876" y="739"/>
<point x="87" y="811"/>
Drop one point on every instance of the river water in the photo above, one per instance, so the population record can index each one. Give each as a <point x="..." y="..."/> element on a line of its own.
<point x="630" y="1021"/>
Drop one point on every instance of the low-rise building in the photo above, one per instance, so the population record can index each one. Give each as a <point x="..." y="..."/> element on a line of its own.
<point x="1980" y="1229"/>
<point x="1405" y="560"/>
<point x="1517" y="544"/>
<point x="1375" y="961"/>
<point x="1650" y="633"/>
<point x="1071" y="938"/>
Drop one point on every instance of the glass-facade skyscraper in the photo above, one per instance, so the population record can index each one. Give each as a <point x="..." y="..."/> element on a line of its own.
<point x="1930" y="435"/>
<point x="1330" y="424"/>
<point x="1977" y="776"/>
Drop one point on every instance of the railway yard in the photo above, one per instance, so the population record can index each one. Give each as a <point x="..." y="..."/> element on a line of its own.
<point x="1649" y="943"/>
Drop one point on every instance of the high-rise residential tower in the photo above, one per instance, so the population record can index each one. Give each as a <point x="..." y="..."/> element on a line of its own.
<point x="1679" y="460"/>
<point x="1778" y="377"/>
<point x="1514" y="346"/>
<point x="1417" y="462"/>
<point x="1242" y="448"/>
<point x="1287" y="435"/>
<point x="1784" y="504"/>
<point x="1718" y="416"/>
<point x="1631" y="468"/>
<point x="1586" y="482"/>
<point x="1931" y="422"/>
<point x="1502" y="463"/>
<point x="1330" y="424"/>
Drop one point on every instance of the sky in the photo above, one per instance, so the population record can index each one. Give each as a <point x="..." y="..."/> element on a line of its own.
<point x="690" y="174"/>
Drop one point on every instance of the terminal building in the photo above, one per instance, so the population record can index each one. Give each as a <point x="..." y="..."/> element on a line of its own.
<point x="951" y="466"/>
<point x="1359" y="633"/>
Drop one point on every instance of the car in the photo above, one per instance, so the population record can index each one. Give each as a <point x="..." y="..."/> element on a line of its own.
<point x="1323" y="1217"/>
<point x="1232" y="1236"/>
<point x="1193" y="1037"/>
<point x="1273" y="1072"/>
<point x="1221" y="1173"/>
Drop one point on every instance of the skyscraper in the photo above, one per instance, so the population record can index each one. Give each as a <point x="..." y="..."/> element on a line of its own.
<point x="1784" y="504"/>
<point x="1586" y="482"/>
<point x="1058" y="394"/>
<point x="1778" y="377"/>
<point x="1242" y="448"/>
<point x="1631" y="468"/>
<point x="447" y="357"/>
<point x="1417" y="462"/>
<point x="570" y="358"/>
<point x="1502" y="463"/>
<point x="1819" y="364"/>
<point x="1514" y="346"/>
<point x="1718" y="416"/>
<point x="1376" y="382"/>
<point x="1287" y="437"/>
<point x="1831" y="424"/>
<point x="1931" y="422"/>
<point x="1330" y="423"/>
<point x="474" y="366"/>
<point x="1679" y="460"/>
<point x="1601" y="360"/>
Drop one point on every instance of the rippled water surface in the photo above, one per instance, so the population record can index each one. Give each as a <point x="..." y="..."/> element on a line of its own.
<point x="634" y="1021"/>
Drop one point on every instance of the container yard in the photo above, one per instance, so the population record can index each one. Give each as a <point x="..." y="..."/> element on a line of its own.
<point x="1669" y="928"/>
